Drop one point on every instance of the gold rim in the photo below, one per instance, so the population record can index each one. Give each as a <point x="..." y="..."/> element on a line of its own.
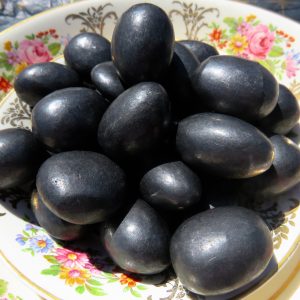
<point x="26" y="279"/>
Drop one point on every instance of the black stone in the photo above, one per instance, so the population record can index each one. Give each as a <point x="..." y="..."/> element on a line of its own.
<point x="221" y="250"/>
<point x="138" y="242"/>
<point x="236" y="86"/>
<point x="81" y="187"/>
<point x="41" y="79"/>
<point x="21" y="155"/>
<point x="142" y="43"/>
<point x="135" y="122"/>
<point x="283" y="174"/>
<point x="285" y="114"/>
<point x="223" y="145"/>
<point x="200" y="49"/>
<point x="85" y="51"/>
<point x="68" y="119"/>
<point x="54" y="225"/>
<point x="171" y="186"/>
<point x="106" y="80"/>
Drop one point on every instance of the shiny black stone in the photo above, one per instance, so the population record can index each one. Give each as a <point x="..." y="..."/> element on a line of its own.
<point x="54" y="225"/>
<point x="223" y="145"/>
<point x="106" y="80"/>
<point x="142" y="43"/>
<point x="135" y="122"/>
<point x="81" y="187"/>
<point x="221" y="250"/>
<point x="41" y="79"/>
<point x="283" y="174"/>
<point x="236" y="86"/>
<point x="200" y="49"/>
<point x="21" y="155"/>
<point x="139" y="242"/>
<point x="85" y="51"/>
<point x="171" y="186"/>
<point x="285" y="114"/>
<point x="68" y="119"/>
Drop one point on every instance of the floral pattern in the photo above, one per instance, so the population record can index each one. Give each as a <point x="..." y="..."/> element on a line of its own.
<point x="249" y="38"/>
<point x="74" y="267"/>
<point x="34" y="48"/>
<point x="4" y="293"/>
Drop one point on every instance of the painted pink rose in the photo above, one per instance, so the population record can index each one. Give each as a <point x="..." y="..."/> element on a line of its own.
<point x="33" y="51"/>
<point x="71" y="259"/>
<point x="260" y="41"/>
<point x="244" y="28"/>
<point x="291" y="66"/>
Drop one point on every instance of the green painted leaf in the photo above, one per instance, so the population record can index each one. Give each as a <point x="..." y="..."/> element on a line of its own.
<point x="112" y="280"/>
<point x="11" y="296"/>
<point x="51" y="259"/>
<point x="25" y="233"/>
<point x="3" y="55"/>
<point x="16" y="44"/>
<point x="276" y="51"/>
<point x="94" y="282"/>
<point x="141" y="287"/>
<point x="135" y="293"/>
<point x="7" y="66"/>
<point x="54" y="48"/>
<point x="30" y="37"/>
<point x="256" y="23"/>
<point x="3" y="287"/>
<point x="108" y="275"/>
<point x="231" y="22"/>
<point x="53" y="272"/>
<point x="95" y="291"/>
<point x="126" y="289"/>
<point x="272" y="27"/>
<point x="80" y="289"/>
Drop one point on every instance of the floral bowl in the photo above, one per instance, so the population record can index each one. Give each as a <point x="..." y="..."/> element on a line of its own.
<point x="82" y="270"/>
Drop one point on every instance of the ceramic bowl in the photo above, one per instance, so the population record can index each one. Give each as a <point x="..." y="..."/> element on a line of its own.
<point x="82" y="270"/>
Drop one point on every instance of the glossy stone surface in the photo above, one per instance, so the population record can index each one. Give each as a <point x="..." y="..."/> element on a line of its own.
<point x="106" y="80"/>
<point x="171" y="186"/>
<point x="178" y="81"/>
<point x="236" y="86"/>
<point x="20" y="157"/>
<point x="283" y="174"/>
<point x="223" y="145"/>
<point x="139" y="242"/>
<point x="81" y="187"/>
<point x="54" y="225"/>
<point x="41" y="79"/>
<point x="142" y="43"/>
<point x="68" y="119"/>
<point x="285" y="114"/>
<point x="85" y="51"/>
<point x="135" y="122"/>
<point x="221" y="250"/>
<point x="200" y="49"/>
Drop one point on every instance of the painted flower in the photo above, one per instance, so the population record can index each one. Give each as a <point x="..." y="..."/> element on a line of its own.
<point x="71" y="259"/>
<point x="20" y="239"/>
<point x="30" y="226"/>
<point x="33" y="51"/>
<point x="94" y="270"/>
<point x="20" y="67"/>
<point x="238" y="44"/>
<point x="8" y="46"/>
<point x="41" y="244"/>
<point x="74" y="275"/>
<point x="291" y="65"/>
<point x="250" y="18"/>
<point x="130" y="282"/>
<point x="13" y="58"/>
<point x="215" y="35"/>
<point x="5" y="85"/>
<point x="244" y="28"/>
<point x="260" y="41"/>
